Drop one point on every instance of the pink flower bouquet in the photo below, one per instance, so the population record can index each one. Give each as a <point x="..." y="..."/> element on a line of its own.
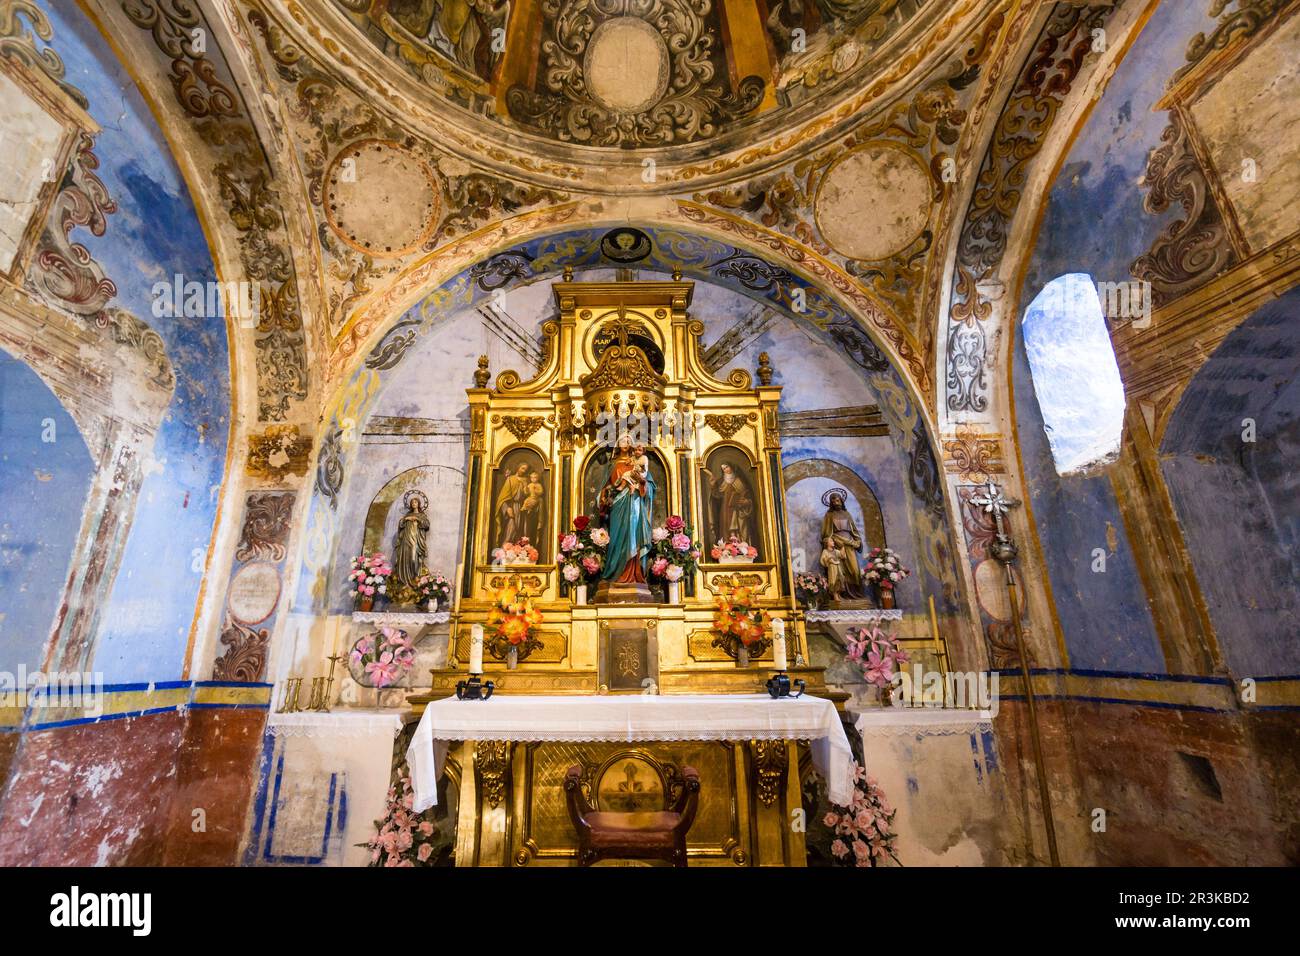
<point x="403" y="838"/>
<point x="876" y="653"/>
<point x="674" y="552"/>
<point x="368" y="578"/>
<point x="733" y="551"/>
<point x="515" y="552"/>
<point x="582" y="551"/>
<point x="863" y="832"/>
<point x="383" y="658"/>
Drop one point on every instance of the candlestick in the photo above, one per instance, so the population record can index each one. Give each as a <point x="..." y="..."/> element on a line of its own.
<point x="778" y="644"/>
<point x="476" y="649"/>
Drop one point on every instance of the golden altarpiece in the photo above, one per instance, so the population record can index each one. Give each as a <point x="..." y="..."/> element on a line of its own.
<point x="623" y="359"/>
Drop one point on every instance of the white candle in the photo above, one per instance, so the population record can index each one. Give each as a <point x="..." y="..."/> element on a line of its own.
<point x="778" y="643"/>
<point x="476" y="649"/>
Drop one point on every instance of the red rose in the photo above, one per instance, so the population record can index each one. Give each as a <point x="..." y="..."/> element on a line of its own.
<point x="581" y="522"/>
<point x="675" y="523"/>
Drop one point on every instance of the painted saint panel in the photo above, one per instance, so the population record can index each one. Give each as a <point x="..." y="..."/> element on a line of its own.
<point x="521" y="503"/>
<point x="729" y="498"/>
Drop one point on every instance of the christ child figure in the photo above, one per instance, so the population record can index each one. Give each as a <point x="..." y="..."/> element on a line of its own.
<point x="832" y="560"/>
<point x="530" y="510"/>
<point x="641" y="467"/>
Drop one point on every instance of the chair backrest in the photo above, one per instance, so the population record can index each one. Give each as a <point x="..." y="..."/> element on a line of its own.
<point x="630" y="783"/>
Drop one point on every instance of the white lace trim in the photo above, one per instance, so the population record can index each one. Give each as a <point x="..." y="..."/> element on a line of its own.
<point x="921" y="722"/>
<point x="554" y="736"/>
<point x="335" y="724"/>
<point x="866" y="615"/>
<point x="400" y="618"/>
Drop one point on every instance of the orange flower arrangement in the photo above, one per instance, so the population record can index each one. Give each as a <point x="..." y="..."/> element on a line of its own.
<point x="514" y="616"/>
<point x="736" y="616"/>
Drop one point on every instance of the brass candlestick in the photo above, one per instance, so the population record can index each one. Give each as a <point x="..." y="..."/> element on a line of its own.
<point x="314" y="702"/>
<point x="289" y="696"/>
<point x="328" y="689"/>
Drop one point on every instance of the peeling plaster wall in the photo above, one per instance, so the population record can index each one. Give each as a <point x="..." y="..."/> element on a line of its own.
<point x="1203" y="783"/>
<point x="1239" y="501"/>
<point x="1094" y="220"/>
<point x="1094" y="223"/>
<point x="81" y="791"/>
<point x="153" y="236"/>
<point x="45" y="471"/>
<point x="1104" y="616"/>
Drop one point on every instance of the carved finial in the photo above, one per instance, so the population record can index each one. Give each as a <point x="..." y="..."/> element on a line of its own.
<point x="764" y="369"/>
<point x="677" y="275"/>
<point x="481" y="374"/>
<point x="568" y="273"/>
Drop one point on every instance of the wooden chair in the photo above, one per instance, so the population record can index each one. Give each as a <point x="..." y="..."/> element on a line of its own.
<point x="659" y="835"/>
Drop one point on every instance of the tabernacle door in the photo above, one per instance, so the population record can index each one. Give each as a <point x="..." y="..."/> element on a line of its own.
<point x="629" y="656"/>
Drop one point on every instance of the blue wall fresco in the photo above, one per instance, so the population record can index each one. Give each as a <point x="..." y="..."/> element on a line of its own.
<point x="45" y="471"/>
<point x="1094" y="220"/>
<point x="1104" y="616"/>
<point x="1239" y="500"/>
<point x="154" y="235"/>
<point x="1094" y="223"/>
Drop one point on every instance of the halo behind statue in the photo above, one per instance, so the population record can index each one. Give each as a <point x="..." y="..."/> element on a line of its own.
<point x="416" y="493"/>
<point x="844" y="496"/>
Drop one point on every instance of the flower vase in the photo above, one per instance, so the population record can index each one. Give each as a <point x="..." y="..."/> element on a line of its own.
<point x="742" y="654"/>
<point x="886" y="696"/>
<point x="887" y="599"/>
<point x="512" y="658"/>
<point x="580" y="594"/>
<point x="674" y="592"/>
<point x="431" y="605"/>
<point x="366" y="602"/>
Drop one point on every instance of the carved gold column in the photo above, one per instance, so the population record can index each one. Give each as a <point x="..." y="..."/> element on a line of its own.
<point x="1178" y="608"/>
<point x="483" y="825"/>
<point x="773" y="787"/>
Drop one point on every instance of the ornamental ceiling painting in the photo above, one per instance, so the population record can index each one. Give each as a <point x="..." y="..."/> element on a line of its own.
<point x="634" y="73"/>
<point x="865" y="196"/>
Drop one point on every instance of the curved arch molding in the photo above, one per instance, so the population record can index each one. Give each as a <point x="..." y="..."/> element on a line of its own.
<point x="696" y="256"/>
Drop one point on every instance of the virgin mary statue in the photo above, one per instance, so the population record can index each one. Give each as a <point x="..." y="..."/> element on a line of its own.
<point x="629" y="497"/>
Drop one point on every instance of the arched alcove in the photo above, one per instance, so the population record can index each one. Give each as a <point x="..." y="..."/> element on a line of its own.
<point x="1231" y="457"/>
<point x="46" y="472"/>
<point x="807" y="482"/>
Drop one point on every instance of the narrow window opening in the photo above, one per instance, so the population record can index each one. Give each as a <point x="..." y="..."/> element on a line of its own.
<point x="1076" y="378"/>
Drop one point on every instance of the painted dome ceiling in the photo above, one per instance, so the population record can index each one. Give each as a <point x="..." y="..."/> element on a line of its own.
<point x="637" y="74"/>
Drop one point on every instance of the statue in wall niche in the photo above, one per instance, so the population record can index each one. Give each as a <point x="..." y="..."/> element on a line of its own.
<point x="843" y="542"/>
<point x="410" y="545"/>
<point x="627" y="504"/>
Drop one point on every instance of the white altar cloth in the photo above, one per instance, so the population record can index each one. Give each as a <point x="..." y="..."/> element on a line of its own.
<point x="627" y="718"/>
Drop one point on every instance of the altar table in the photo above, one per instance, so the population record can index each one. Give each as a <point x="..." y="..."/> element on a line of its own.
<point x="745" y="742"/>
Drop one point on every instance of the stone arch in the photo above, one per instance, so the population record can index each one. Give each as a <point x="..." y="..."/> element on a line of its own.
<point x="763" y="266"/>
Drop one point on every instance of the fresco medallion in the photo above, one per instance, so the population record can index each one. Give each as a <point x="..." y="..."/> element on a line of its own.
<point x="380" y="198"/>
<point x="883" y="178"/>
